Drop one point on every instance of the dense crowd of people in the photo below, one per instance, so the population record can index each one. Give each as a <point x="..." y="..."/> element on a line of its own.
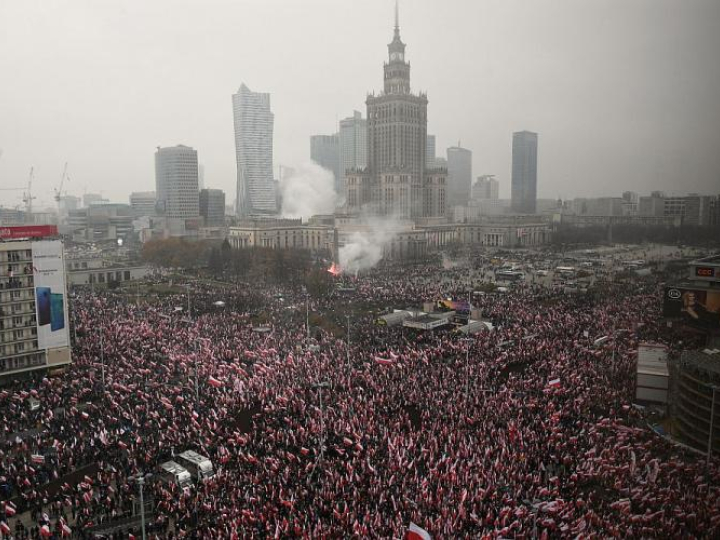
<point x="527" y="431"/>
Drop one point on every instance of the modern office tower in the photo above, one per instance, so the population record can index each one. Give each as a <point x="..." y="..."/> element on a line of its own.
<point x="34" y="323"/>
<point x="254" y="120"/>
<point x="325" y="151"/>
<point x="176" y="182"/>
<point x="212" y="207"/>
<point x="430" y="152"/>
<point x="524" y="172"/>
<point x="486" y="188"/>
<point x="396" y="181"/>
<point x="352" y="145"/>
<point x="459" y="177"/>
<point x="143" y="203"/>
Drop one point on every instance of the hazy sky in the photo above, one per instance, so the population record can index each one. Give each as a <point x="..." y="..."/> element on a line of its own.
<point x="625" y="94"/>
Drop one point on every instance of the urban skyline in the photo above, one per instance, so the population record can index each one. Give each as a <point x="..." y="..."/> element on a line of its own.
<point x="655" y="141"/>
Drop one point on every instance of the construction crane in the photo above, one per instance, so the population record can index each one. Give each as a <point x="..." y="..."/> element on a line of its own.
<point x="28" y="196"/>
<point x="58" y="191"/>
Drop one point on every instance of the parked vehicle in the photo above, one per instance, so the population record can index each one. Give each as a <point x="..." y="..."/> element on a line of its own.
<point x="199" y="466"/>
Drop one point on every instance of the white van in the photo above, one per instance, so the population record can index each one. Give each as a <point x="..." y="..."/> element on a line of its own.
<point x="199" y="466"/>
<point x="174" y="473"/>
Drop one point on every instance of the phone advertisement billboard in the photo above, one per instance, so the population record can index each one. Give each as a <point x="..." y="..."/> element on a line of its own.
<point x="50" y="294"/>
<point x="698" y="307"/>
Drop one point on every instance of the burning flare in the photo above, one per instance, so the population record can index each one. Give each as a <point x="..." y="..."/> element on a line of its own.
<point x="334" y="269"/>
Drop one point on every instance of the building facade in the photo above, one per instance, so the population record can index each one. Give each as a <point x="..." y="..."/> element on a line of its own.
<point x="34" y="323"/>
<point x="325" y="151"/>
<point x="253" y="119"/>
<point x="352" y="146"/>
<point x="212" y="207"/>
<point x="524" y="172"/>
<point x="396" y="181"/>
<point x="143" y="203"/>
<point x="485" y="188"/>
<point x="176" y="182"/>
<point x="459" y="177"/>
<point x="430" y="152"/>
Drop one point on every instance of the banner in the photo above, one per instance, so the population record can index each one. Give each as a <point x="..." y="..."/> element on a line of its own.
<point x="50" y="294"/>
<point x="697" y="307"/>
<point x="28" y="231"/>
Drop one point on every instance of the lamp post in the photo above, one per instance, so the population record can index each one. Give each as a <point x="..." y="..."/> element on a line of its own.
<point x="102" y="357"/>
<point x="307" y="314"/>
<point x="187" y="286"/>
<point x="319" y="387"/>
<point x="140" y="479"/>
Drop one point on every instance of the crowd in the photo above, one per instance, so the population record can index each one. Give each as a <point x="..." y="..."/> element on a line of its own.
<point x="524" y="432"/>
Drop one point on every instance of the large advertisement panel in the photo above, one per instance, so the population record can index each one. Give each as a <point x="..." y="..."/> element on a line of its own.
<point x="50" y="294"/>
<point x="699" y="307"/>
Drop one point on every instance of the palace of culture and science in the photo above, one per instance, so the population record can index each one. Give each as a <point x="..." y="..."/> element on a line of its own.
<point x="396" y="181"/>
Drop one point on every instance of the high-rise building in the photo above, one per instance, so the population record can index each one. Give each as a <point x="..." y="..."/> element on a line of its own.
<point x="92" y="198"/>
<point x="325" y="151"/>
<point x="254" y="120"/>
<point x="34" y="323"/>
<point x="212" y="207"/>
<point x="459" y="178"/>
<point x="176" y="182"/>
<point x="143" y="203"/>
<point x="430" y="152"/>
<point x="486" y="188"/>
<point x="352" y="146"/>
<point x="396" y="181"/>
<point x="524" y="172"/>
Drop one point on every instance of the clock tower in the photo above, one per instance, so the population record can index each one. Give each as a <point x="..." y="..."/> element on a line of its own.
<point x="396" y="181"/>
<point x="397" y="70"/>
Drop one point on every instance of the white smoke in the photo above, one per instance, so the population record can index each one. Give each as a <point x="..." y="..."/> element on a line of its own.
<point x="365" y="248"/>
<point x="309" y="191"/>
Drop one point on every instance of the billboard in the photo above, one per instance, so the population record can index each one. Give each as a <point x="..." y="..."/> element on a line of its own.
<point x="698" y="307"/>
<point x="50" y="294"/>
<point x="28" y="231"/>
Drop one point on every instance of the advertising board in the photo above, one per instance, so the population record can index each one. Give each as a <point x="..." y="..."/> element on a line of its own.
<point x="50" y="294"/>
<point x="696" y="306"/>
<point x="28" y="231"/>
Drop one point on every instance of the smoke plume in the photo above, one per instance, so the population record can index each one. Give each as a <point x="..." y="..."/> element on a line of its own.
<point x="309" y="191"/>
<point x="364" y="248"/>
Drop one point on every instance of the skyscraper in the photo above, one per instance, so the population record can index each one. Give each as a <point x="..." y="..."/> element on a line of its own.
<point x="254" y="152"/>
<point x="212" y="207"/>
<point x="459" y="164"/>
<point x="352" y="145"/>
<point x="176" y="182"/>
<point x="325" y="151"/>
<point x="524" y="172"/>
<point x="486" y="188"/>
<point x="430" y="152"/>
<point x="396" y="181"/>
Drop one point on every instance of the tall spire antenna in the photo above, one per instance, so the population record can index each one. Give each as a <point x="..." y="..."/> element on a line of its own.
<point x="397" y="16"/>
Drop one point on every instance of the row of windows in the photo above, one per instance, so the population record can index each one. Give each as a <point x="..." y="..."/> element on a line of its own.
<point x="15" y="255"/>
<point x="23" y="362"/>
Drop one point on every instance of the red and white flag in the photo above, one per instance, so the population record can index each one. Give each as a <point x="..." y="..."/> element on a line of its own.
<point x="66" y="531"/>
<point x="4" y="528"/>
<point x="417" y="533"/>
<point x="554" y="383"/>
<point x="10" y="509"/>
<point x="45" y="531"/>
<point x="215" y="383"/>
<point x="37" y="458"/>
<point x="384" y="361"/>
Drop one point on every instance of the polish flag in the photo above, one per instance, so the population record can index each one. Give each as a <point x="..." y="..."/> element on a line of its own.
<point x="10" y="509"/>
<point x="554" y="383"/>
<point x="85" y="415"/>
<point x="4" y="528"/>
<point x="417" y="533"/>
<point x="45" y="531"/>
<point x="215" y="383"/>
<point x="37" y="458"/>
<point x="66" y="531"/>
<point x="122" y="445"/>
<point x="384" y="361"/>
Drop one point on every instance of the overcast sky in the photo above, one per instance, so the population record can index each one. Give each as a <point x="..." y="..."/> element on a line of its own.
<point x="625" y="94"/>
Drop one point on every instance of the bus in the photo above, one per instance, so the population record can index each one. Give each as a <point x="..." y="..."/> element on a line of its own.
<point x="509" y="275"/>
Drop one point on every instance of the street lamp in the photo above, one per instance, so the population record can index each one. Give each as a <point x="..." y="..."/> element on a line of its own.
<point x="319" y="387"/>
<point x="140" y="479"/>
